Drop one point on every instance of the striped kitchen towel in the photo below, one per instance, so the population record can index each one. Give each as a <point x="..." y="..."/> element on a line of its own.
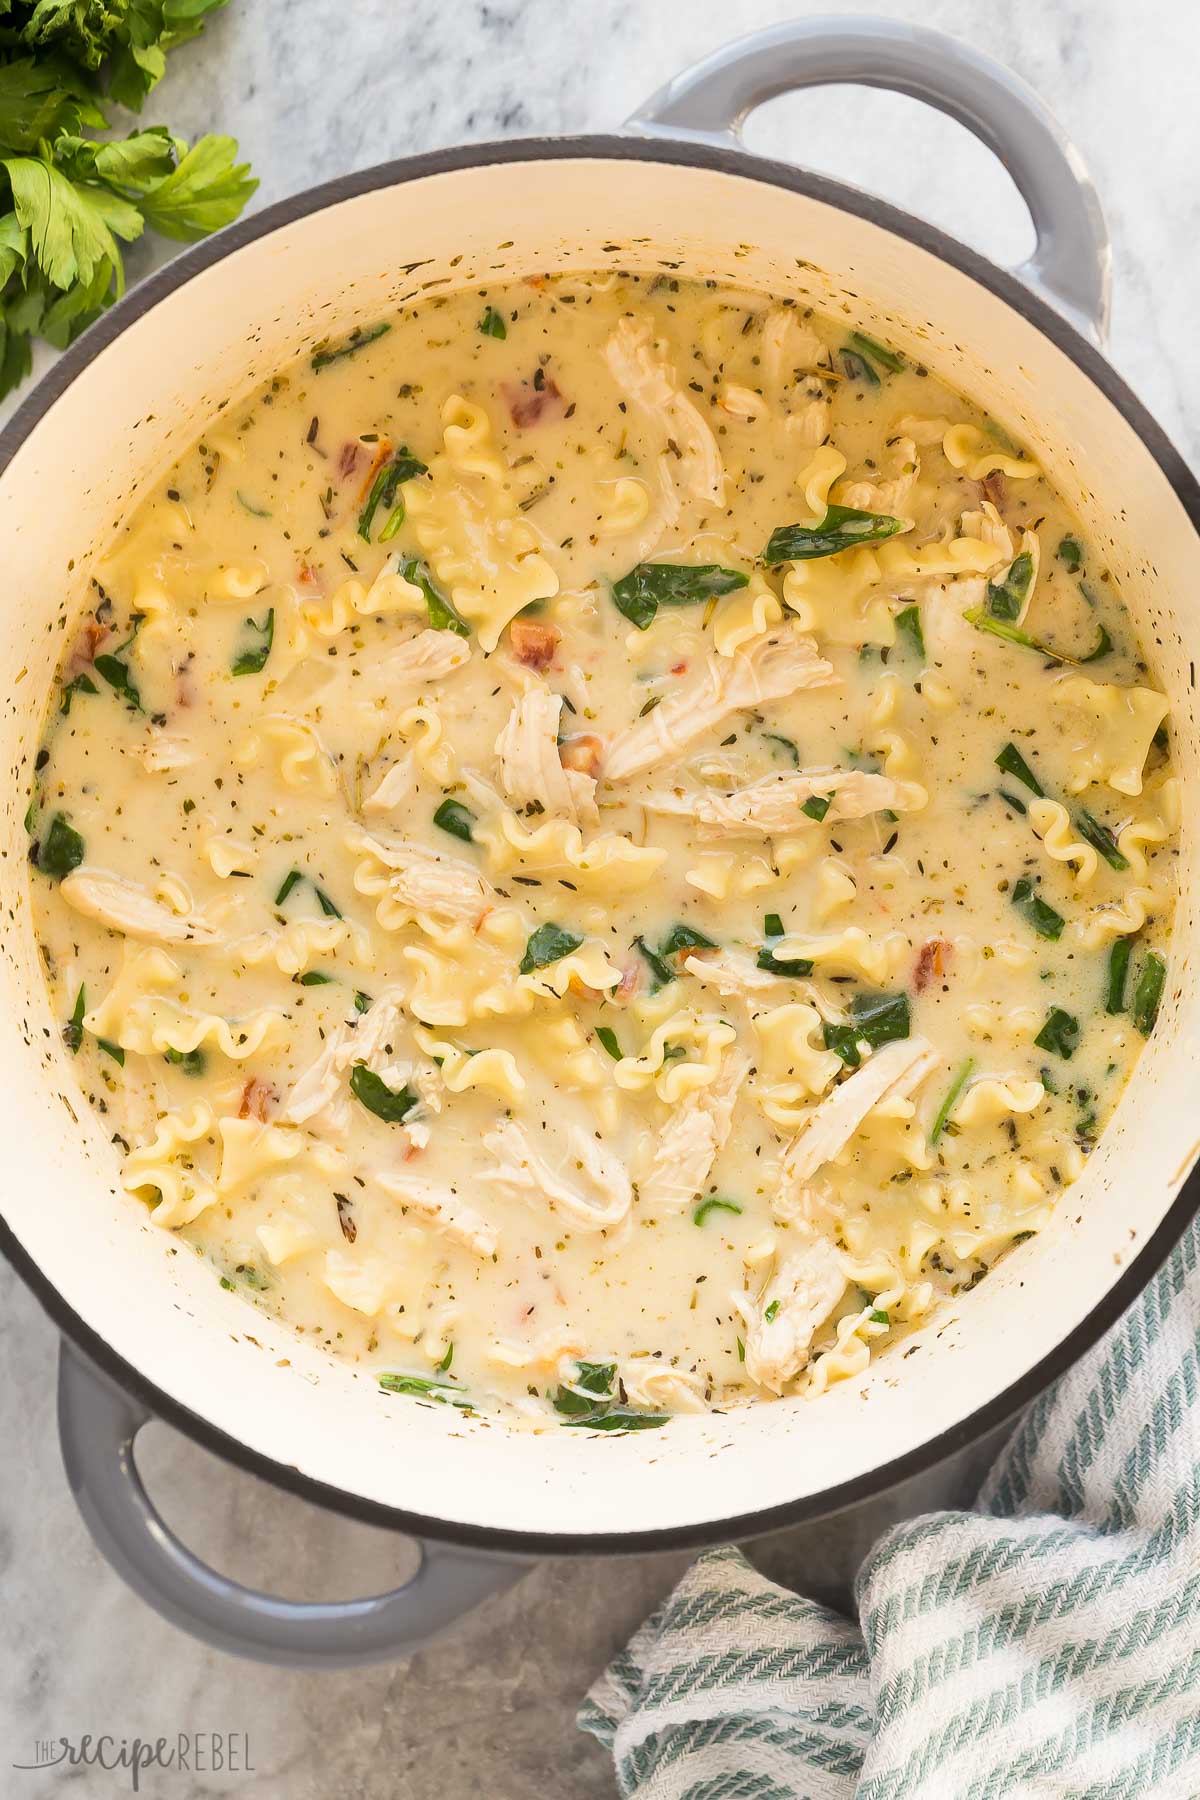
<point x="1047" y="1643"/>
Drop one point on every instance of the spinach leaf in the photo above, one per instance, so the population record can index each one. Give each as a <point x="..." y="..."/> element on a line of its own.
<point x="954" y="1092"/>
<point x="662" y="972"/>
<point x="456" y="819"/>
<point x="423" y="1387"/>
<point x="786" y="744"/>
<point x="1118" y="974"/>
<point x="842" y="528"/>
<point x="881" y="1018"/>
<point x="766" y="959"/>
<point x="1013" y="763"/>
<point x="908" y="620"/>
<point x="374" y="1093"/>
<point x="597" y="1382"/>
<point x="816" y="806"/>
<point x="650" y="585"/>
<point x="1100" y="838"/>
<point x="73" y="1029"/>
<point x="684" y="937"/>
<point x="876" y="352"/>
<point x="548" y="944"/>
<point x="492" y="324"/>
<point x="1012" y="634"/>
<point x="843" y="1041"/>
<point x="253" y="659"/>
<point x="82" y="684"/>
<point x="316" y="978"/>
<point x="1059" y="1035"/>
<point x="192" y="1062"/>
<point x="1070" y="554"/>
<point x="113" y="1050"/>
<point x="397" y="469"/>
<point x="117" y="675"/>
<point x="1148" y="993"/>
<point x="608" y="1038"/>
<point x="1006" y="598"/>
<point x="350" y="346"/>
<point x="1045" y="921"/>
<point x="362" y="1002"/>
<point x="713" y="1204"/>
<point x="61" y="850"/>
<point x="1103" y="645"/>
<point x="442" y="616"/>
<point x="620" y="1418"/>
<point x="290" y="880"/>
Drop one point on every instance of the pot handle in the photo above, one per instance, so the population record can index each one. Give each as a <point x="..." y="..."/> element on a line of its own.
<point x="1070" y="266"/>
<point x="98" y="1423"/>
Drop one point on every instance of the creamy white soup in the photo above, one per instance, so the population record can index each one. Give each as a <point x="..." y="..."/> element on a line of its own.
<point x="604" y="845"/>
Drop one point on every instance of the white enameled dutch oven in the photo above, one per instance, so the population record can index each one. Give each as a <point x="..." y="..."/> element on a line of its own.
<point x="149" y="1333"/>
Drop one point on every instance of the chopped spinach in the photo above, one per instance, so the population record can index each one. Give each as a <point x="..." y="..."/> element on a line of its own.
<point x="786" y="744"/>
<point x="713" y="1204"/>
<point x="684" y="937"/>
<point x="816" y="806"/>
<point x="1013" y="763"/>
<point x="385" y="492"/>
<point x="1045" y="921"/>
<point x="772" y="932"/>
<point x="841" y="529"/>
<point x="492" y="324"/>
<point x="662" y="971"/>
<point x="1118" y="974"/>
<point x="61" y="850"/>
<point x="1103" y="645"/>
<point x="548" y="944"/>
<point x="423" y="1387"/>
<point x="82" y="684"/>
<point x="389" y="1104"/>
<point x="442" y="615"/>
<point x="1148" y="993"/>
<point x="1070" y="554"/>
<point x="843" y="1041"/>
<point x="908" y="620"/>
<point x="1005" y="599"/>
<point x="456" y="819"/>
<point x="608" y="1038"/>
<point x="1059" y="1035"/>
<point x="1100" y="838"/>
<point x="877" y="353"/>
<point x="639" y="594"/>
<point x="192" y="1062"/>
<point x="856" y="367"/>
<point x="350" y="346"/>
<point x="881" y="1018"/>
<point x="73" y="1029"/>
<point x="253" y="658"/>
<point x="117" y="675"/>
<point x="953" y="1094"/>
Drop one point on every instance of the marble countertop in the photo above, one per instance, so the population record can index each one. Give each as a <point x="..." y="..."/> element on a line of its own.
<point x="313" y="88"/>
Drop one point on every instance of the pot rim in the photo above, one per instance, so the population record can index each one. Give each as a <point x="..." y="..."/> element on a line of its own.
<point x="1038" y="313"/>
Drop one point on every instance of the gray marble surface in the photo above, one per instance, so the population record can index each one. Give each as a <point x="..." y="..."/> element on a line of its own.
<point x="312" y="88"/>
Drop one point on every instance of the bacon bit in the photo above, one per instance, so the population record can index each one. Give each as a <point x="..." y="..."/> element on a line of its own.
<point x="995" y="489"/>
<point x="931" y="962"/>
<point x="309" y="576"/>
<point x="533" y="643"/>
<point x="345" y="1212"/>
<point x="536" y="281"/>
<point x="347" y="460"/>
<point x="531" y="405"/>
<point x="382" y="451"/>
<point x="87" y="646"/>
<point x="257" y="1099"/>
<point x="581" y="753"/>
<point x="411" y="1150"/>
<point x="679" y="668"/>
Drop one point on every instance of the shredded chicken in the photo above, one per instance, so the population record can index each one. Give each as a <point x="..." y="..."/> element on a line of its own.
<point x="776" y="803"/>
<point x="445" y="1210"/>
<point x="645" y="376"/>
<point x="795" y="1302"/>
<point x="123" y="906"/>
<point x="890" y="496"/>
<point x="521" y="1174"/>
<point x="771" y="668"/>
<point x="897" y="1068"/>
<point x="427" y="882"/>
<point x="393" y="788"/>
<point x="692" y="1139"/>
<point x="320" y="1094"/>
<point x="427" y="657"/>
<point x="731" y="974"/>
<point x="657" y="1387"/>
<point x="531" y="769"/>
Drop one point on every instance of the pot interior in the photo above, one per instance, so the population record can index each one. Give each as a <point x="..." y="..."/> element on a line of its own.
<point x="189" y="348"/>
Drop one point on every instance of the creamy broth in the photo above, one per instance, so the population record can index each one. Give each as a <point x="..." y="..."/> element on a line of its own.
<point x="604" y="845"/>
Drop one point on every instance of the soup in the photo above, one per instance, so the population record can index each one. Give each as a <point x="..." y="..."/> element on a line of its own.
<point x="603" y="846"/>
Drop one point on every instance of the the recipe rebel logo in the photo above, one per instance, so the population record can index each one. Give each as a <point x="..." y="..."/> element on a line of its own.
<point x="187" y="1752"/>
